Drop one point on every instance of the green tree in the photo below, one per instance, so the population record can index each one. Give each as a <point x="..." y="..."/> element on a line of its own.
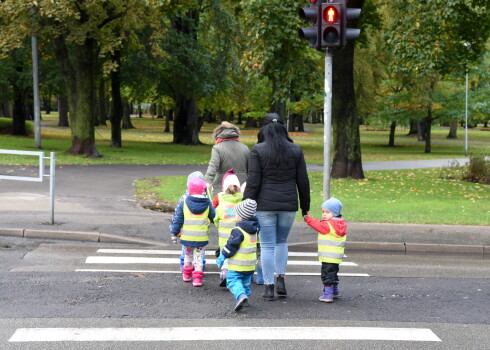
<point x="430" y="39"/>
<point x="81" y="31"/>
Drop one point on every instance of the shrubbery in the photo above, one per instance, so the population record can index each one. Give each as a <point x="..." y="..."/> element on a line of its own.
<point x="478" y="170"/>
<point x="6" y="126"/>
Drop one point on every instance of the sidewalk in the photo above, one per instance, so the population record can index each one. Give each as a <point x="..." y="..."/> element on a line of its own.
<point x="96" y="203"/>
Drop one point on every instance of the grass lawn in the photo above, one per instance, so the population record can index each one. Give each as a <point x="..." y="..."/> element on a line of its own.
<point x="402" y="196"/>
<point x="148" y="144"/>
<point x="418" y="196"/>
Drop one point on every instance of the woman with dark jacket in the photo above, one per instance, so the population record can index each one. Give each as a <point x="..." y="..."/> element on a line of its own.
<point x="276" y="175"/>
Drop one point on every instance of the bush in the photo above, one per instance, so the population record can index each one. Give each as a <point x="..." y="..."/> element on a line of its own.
<point x="453" y="171"/>
<point x="6" y="126"/>
<point x="478" y="170"/>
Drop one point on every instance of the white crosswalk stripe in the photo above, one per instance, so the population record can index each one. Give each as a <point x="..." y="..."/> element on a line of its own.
<point x="218" y="333"/>
<point x="112" y="260"/>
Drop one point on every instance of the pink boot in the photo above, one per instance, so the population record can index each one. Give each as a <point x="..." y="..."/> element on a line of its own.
<point x="187" y="273"/>
<point x="197" y="278"/>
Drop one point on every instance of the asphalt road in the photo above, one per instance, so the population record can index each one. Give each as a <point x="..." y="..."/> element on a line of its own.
<point x="47" y="285"/>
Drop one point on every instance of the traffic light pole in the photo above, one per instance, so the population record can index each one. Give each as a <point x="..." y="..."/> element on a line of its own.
<point x="327" y="129"/>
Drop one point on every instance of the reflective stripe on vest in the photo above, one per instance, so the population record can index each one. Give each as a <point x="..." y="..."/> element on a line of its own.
<point x="245" y="258"/>
<point x="331" y="247"/>
<point x="226" y="215"/>
<point x="195" y="227"/>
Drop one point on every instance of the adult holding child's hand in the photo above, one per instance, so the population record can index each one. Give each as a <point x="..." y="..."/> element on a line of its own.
<point x="276" y="176"/>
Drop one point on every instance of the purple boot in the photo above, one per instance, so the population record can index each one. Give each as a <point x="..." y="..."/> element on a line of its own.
<point x="336" y="291"/>
<point x="327" y="296"/>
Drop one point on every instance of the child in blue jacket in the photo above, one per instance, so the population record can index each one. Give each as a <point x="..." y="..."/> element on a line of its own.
<point x="241" y="252"/>
<point x="198" y="212"/>
<point x="178" y="219"/>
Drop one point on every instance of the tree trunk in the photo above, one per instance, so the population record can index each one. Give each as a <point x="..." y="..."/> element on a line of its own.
<point x="347" y="161"/>
<point x="168" y="115"/>
<point x="160" y="113"/>
<point x="5" y="110"/>
<point x="250" y="122"/>
<point x="19" y="112"/>
<point x="186" y="124"/>
<point x="222" y="117"/>
<point x="79" y="81"/>
<point x="126" y="119"/>
<point x="391" y="142"/>
<point x="453" y="129"/>
<point x="47" y="103"/>
<point x="421" y="130"/>
<point x="428" y="126"/>
<point x="102" y="103"/>
<point x="117" y="110"/>
<point x="62" y="110"/>
<point x="414" y="130"/>
<point x="430" y="118"/>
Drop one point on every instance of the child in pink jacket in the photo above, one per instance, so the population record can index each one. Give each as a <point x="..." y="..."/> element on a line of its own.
<point x="332" y="230"/>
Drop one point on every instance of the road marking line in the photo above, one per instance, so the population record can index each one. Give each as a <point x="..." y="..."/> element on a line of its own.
<point x="215" y="273"/>
<point x="221" y="333"/>
<point x="144" y="260"/>
<point x="175" y="252"/>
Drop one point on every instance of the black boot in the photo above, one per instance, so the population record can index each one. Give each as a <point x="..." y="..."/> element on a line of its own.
<point x="269" y="292"/>
<point x="281" y="287"/>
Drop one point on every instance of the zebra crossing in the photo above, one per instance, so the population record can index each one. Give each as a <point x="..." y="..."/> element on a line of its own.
<point x="152" y="261"/>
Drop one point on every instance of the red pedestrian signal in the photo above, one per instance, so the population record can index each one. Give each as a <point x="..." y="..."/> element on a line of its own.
<point x="331" y="14"/>
<point x="331" y="26"/>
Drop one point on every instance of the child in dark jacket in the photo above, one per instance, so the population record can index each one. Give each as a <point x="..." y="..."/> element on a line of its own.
<point x="241" y="252"/>
<point x="332" y="232"/>
<point x="198" y="212"/>
<point x="178" y="219"/>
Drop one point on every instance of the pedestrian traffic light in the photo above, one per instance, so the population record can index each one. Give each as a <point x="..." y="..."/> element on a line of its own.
<point x="349" y="14"/>
<point x="331" y="24"/>
<point x="311" y="14"/>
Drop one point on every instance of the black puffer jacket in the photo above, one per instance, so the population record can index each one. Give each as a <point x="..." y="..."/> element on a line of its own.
<point x="276" y="188"/>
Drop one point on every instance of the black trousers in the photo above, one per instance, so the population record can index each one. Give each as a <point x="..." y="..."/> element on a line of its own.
<point x="330" y="274"/>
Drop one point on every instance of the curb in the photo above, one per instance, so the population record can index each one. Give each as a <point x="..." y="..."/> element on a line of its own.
<point x="481" y="251"/>
<point x="79" y="236"/>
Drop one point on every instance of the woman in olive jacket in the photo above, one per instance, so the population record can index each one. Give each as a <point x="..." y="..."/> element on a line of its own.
<point x="276" y="175"/>
<point x="228" y="153"/>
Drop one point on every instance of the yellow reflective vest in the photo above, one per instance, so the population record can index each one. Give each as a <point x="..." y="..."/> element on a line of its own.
<point x="225" y="215"/>
<point x="196" y="226"/>
<point x="331" y="247"/>
<point x="245" y="258"/>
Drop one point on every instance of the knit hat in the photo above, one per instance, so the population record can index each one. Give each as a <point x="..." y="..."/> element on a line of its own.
<point x="246" y="209"/>
<point x="196" y="186"/>
<point x="333" y="205"/>
<point x="229" y="179"/>
<point x="195" y="174"/>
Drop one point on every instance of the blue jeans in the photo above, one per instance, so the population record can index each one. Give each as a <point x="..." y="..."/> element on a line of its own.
<point x="274" y="232"/>
<point x="238" y="283"/>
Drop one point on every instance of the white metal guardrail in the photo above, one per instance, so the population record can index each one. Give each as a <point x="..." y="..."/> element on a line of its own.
<point x="41" y="174"/>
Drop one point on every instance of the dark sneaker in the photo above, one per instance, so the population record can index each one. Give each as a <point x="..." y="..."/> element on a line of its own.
<point x="269" y="292"/>
<point x="281" y="287"/>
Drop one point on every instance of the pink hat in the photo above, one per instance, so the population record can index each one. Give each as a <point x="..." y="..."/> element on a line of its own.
<point x="196" y="186"/>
